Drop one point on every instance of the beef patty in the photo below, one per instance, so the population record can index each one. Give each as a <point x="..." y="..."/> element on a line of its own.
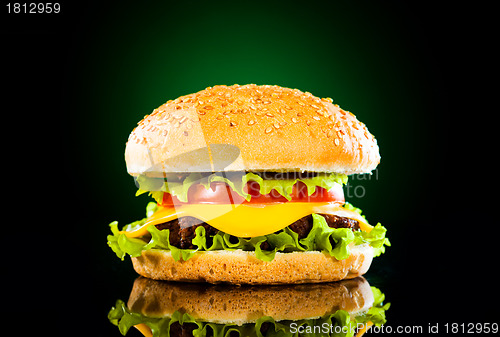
<point x="182" y="230"/>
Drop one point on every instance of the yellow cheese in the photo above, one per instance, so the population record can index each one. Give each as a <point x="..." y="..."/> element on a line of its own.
<point x="144" y="329"/>
<point x="247" y="220"/>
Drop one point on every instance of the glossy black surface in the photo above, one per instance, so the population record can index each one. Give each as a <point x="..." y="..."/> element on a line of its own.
<point x="248" y="309"/>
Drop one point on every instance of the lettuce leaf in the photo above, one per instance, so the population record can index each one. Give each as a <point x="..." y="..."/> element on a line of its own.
<point x="333" y="241"/>
<point x="121" y="244"/>
<point x="376" y="238"/>
<point x="157" y="186"/>
<point x="124" y="319"/>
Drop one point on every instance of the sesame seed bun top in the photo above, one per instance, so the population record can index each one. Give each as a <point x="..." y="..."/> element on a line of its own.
<point x="250" y="128"/>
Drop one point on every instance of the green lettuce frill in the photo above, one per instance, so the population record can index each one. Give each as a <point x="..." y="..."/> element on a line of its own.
<point x="334" y="241"/>
<point x="157" y="186"/>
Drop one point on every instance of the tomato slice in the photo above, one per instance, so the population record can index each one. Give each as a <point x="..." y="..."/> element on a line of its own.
<point x="221" y="193"/>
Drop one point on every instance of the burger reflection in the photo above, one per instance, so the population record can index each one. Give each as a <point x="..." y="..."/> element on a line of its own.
<point x="159" y="308"/>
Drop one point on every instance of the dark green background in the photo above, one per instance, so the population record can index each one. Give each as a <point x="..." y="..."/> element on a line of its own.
<point x="107" y="65"/>
<point x="370" y="58"/>
<point x="373" y="58"/>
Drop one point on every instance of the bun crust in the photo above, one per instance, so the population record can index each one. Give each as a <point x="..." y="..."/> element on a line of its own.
<point x="250" y="128"/>
<point x="242" y="267"/>
<point x="246" y="304"/>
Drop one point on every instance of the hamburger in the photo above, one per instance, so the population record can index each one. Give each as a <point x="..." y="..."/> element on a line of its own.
<point x="157" y="308"/>
<point x="247" y="183"/>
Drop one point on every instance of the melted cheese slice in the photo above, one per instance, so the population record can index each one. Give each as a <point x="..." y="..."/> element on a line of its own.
<point x="247" y="220"/>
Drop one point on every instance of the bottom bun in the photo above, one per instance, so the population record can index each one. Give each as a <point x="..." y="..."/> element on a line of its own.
<point x="242" y="267"/>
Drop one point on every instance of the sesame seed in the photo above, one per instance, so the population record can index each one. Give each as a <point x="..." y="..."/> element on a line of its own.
<point x="316" y="118"/>
<point x="329" y="134"/>
<point x="233" y="123"/>
<point x="294" y="120"/>
<point x="327" y="99"/>
<point x="239" y="102"/>
<point x="276" y="125"/>
<point x="186" y="133"/>
<point x="315" y="107"/>
<point x="251" y="122"/>
<point x="275" y="95"/>
<point x="300" y="114"/>
<point x="219" y="117"/>
<point x="308" y="122"/>
<point x="320" y="112"/>
<point x="288" y="107"/>
<point x="267" y="102"/>
<point x="269" y="129"/>
<point x="183" y="119"/>
<point x="301" y="103"/>
<point x="269" y="114"/>
<point x="208" y="107"/>
<point x="337" y="142"/>
<point x="201" y="112"/>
